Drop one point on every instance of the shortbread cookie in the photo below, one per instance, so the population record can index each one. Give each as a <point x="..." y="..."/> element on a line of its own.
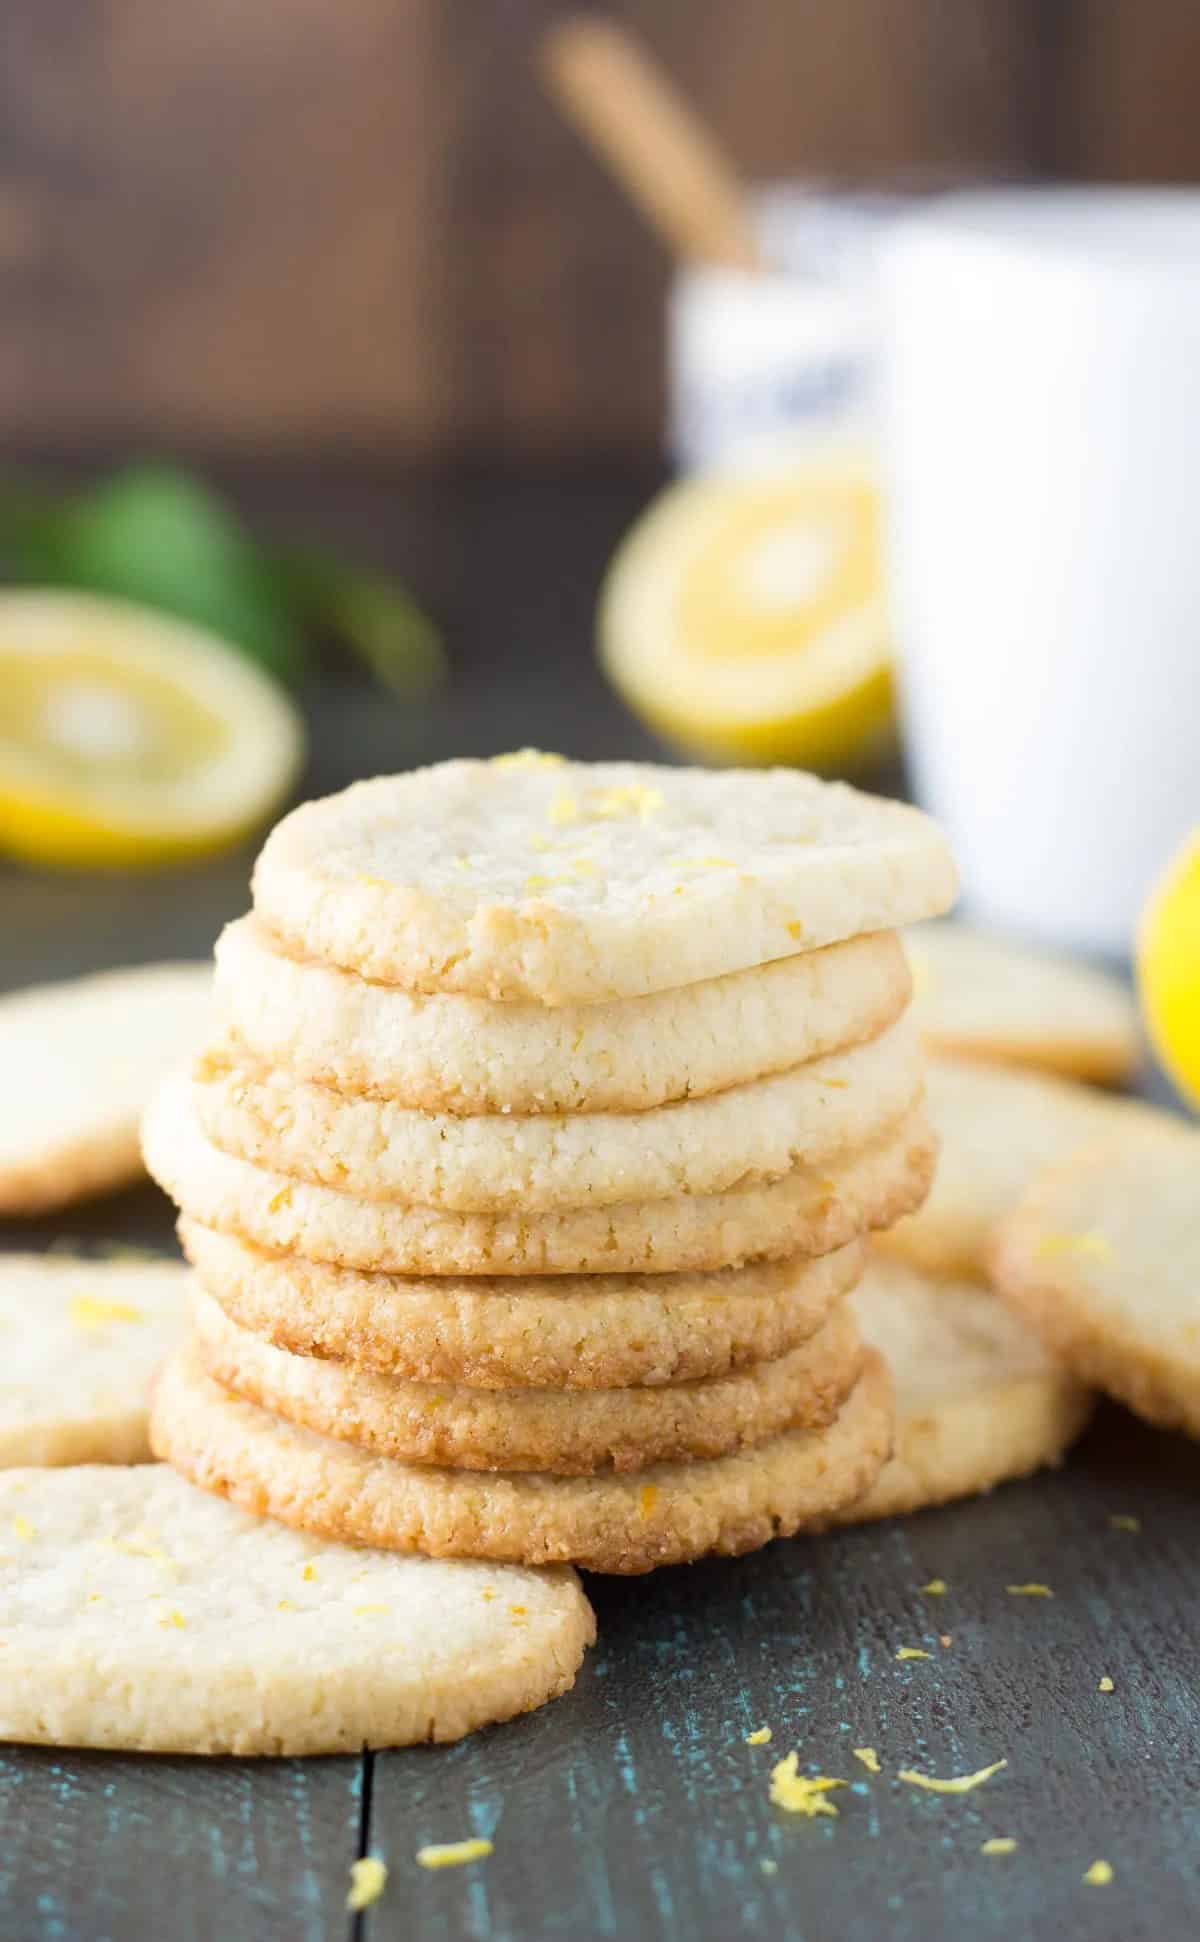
<point x="139" y="1615"/>
<point x="987" y="998"/>
<point x="1103" y="1259"/>
<point x="569" y="1432"/>
<point x="79" y="1342"/>
<point x="574" y="883"/>
<point x="998" y="1130"/>
<point x="550" y="1332"/>
<point x="79" y="1062"/>
<point x="539" y="1162"/>
<point x="446" y="1053"/>
<point x="667" y="1514"/>
<point x="978" y="1400"/>
<point x="811" y="1211"/>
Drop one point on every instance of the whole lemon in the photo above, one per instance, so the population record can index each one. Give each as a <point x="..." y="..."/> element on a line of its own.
<point x="1168" y="968"/>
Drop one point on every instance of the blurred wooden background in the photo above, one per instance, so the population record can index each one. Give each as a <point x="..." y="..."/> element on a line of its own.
<point x="348" y="225"/>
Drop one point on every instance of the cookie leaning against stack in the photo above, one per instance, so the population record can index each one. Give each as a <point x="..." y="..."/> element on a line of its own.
<point x="549" y="1108"/>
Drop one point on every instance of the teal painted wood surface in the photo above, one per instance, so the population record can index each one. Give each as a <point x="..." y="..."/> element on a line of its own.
<point x="632" y="1808"/>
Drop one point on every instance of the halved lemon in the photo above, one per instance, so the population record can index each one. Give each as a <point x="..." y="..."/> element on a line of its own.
<point x="128" y="738"/>
<point x="743" y="616"/>
<point x="1168" y="968"/>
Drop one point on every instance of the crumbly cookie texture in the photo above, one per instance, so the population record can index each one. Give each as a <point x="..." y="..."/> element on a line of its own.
<point x="573" y="1432"/>
<point x="539" y="1162"/>
<point x="532" y="877"/>
<point x="811" y="1210"/>
<point x="1102" y="1258"/>
<point x="139" y="1614"/>
<point x="575" y="1332"/>
<point x="998" y="1130"/>
<point x="987" y="998"/>
<point x="80" y="1061"/>
<point x="443" y="1052"/>
<point x="81" y="1340"/>
<point x="666" y="1514"/>
<point x="978" y="1399"/>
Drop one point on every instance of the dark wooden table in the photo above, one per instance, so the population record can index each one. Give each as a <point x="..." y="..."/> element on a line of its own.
<point x="633" y="1808"/>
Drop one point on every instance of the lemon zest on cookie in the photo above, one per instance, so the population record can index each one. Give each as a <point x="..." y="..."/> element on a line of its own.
<point x="368" y="1879"/>
<point x="795" y="929"/>
<point x="998" y="1844"/>
<point x="1029" y="1591"/>
<point x="799" y="1793"/>
<point x="174" y="1618"/>
<point x="309" y="1573"/>
<point x="961" y="1784"/>
<point x="452" y="1854"/>
<point x="647" y="1498"/>
<point x="630" y="798"/>
<point x="1099" y="1874"/>
<point x="564" y="808"/>
<point x="23" y="1529"/>
<point x="761" y="1736"/>
<point x="368" y="1611"/>
<point x="868" y="1757"/>
<point x="1051" y="1246"/>
<point x="528" y="758"/>
<point x="281" y="1199"/>
<point x="90" y="1311"/>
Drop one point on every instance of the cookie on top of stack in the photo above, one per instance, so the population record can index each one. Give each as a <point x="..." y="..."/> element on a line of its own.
<point x="550" y="1109"/>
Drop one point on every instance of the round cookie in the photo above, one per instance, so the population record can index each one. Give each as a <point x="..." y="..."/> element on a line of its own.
<point x="998" y="1130"/>
<point x="811" y="1211"/>
<point x="80" y="1341"/>
<point x="978" y="1400"/>
<point x="80" y="1061"/>
<point x="443" y="1052"/>
<point x="1102" y="1258"/>
<point x="668" y="1514"/>
<point x="539" y="1162"/>
<point x="572" y="1432"/>
<point x="139" y="1615"/>
<point x="530" y="877"/>
<point x="987" y="998"/>
<point x="554" y="1332"/>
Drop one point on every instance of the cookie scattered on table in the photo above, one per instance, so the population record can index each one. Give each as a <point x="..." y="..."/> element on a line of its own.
<point x="531" y="877"/>
<point x="978" y="1399"/>
<point x="80" y="1061"/>
<point x="999" y="1130"/>
<point x="1102" y="1258"/>
<point x="666" y="1514"/>
<point x="988" y="998"/>
<point x="79" y="1343"/>
<point x="137" y="1613"/>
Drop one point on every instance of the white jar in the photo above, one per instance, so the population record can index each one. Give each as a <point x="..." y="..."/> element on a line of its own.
<point x="1042" y="458"/>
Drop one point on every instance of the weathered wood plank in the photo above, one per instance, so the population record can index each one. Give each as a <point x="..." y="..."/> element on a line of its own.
<point x="634" y="1808"/>
<point x="98" y="1848"/>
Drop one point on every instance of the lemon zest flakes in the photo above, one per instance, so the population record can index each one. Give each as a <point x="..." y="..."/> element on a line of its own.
<point x="999" y="1844"/>
<point x="912" y="1652"/>
<point x="368" y="1611"/>
<point x="528" y="758"/>
<point x="1119" y="1521"/>
<point x="142" y="1545"/>
<point x="368" y="1879"/>
<point x="1098" y="1875"/>
<point x="1029" y="1591"/>
<point x="1106" y="1685"/>
<point x="452" y="1854"/>
<point x="23" y="1530"/>
<point x="285" y="1605"/>
<point x="761" y="1736"/>
<point x="801" y="1793"/>
<point x="281" y="1199"/>
<point x="174" y="1618"/>
<point x="564" y="809"/>
<point x="536" y="882"/>
<point x="647" y="1498"/>
<point x="1051" y="1247"/>
<point x="89" y="1311"/>
<point x="936" y="1588"/>
<point x="962" y="1784"/>
<point x="868" y="1756"/>
<point x="630" y="799"/>
<point x="795" y="929"/>
<point x="309" y="1573"/>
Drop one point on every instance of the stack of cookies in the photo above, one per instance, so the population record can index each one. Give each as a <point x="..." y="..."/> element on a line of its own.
<point x="549" y="1111"/>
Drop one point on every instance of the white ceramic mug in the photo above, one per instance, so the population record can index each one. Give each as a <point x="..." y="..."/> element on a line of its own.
<point x="1041" y="409"/>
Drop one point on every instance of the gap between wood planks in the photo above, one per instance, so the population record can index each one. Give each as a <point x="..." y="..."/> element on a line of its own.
<point x="358" y="1922"/>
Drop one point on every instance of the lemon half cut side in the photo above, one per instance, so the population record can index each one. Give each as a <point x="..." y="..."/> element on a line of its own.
<point x="128" y="738"/>
<point x="743" y="616"/>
